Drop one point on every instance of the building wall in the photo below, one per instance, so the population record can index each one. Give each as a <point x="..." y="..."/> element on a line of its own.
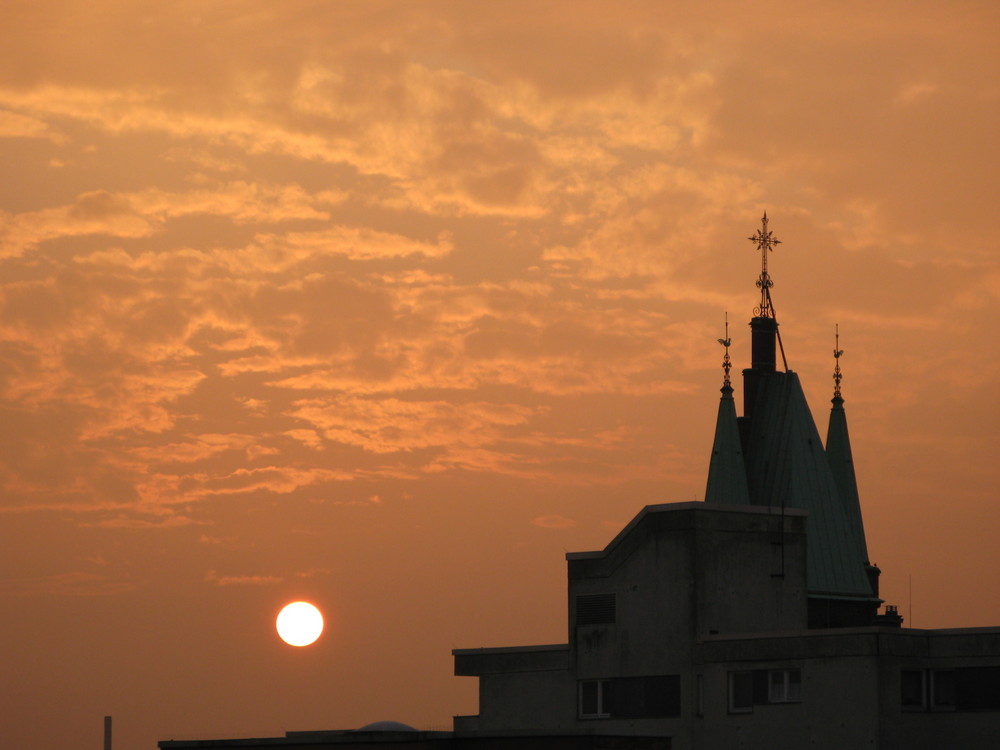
<point x="527" y="701"/>
<point x="702" y="592"/>
<point x="838" y="707"/>
<point x="684" y="571"/>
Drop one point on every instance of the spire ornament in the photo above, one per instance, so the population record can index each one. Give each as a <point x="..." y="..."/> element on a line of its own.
<point x="726" y="362"/>
<point x="837" y="354"/>
<point x="765" y="241"/>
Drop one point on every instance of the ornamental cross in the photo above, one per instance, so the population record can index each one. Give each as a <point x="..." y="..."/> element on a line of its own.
<point x="765" y="241"/>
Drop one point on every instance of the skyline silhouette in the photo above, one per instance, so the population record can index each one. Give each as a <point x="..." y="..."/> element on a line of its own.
<point x="385" y="306"/>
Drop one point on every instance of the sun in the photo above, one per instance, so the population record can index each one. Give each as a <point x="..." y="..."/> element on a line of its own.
<point x="299" y="623"/>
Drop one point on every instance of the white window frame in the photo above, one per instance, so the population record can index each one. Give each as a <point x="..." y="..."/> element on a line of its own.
<point x="783" y="692"/>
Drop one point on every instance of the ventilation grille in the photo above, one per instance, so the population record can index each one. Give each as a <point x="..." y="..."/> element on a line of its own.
<point x="595" y="609"/>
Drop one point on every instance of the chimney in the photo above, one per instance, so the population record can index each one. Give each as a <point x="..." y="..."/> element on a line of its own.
<point x="763" y="335"/>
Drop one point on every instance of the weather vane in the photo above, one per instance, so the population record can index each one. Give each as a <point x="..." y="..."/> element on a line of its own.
<point x="726" y="362"/>
<point x="837" y="354"/>
<point x="765" y="242"/>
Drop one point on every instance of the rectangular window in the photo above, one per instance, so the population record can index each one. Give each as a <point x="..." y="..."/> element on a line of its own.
<point x="595" y="609"/>
<point x="740" y="692"/>
<point x="630" y="697"/>
<point x="763" y="686"/>
<point x="977" y="689"/>
<point x="943" y="690"/>
<point x="959" y="689"/>
<point x="784" y="686"/>
<point x="913" y="689"/>
<point x="592" y="697"/>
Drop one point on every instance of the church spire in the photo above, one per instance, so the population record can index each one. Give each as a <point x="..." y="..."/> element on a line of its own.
<point x="840" y="458"/>
<point x="727" y="476"/>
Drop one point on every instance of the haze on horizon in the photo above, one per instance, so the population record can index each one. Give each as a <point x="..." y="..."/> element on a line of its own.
<point x="387" y="305"/>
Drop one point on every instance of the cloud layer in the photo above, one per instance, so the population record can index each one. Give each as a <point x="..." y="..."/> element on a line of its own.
<point x="294" y="296"/>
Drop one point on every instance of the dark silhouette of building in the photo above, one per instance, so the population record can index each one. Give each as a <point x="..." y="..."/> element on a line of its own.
<point x="750" y="620"/>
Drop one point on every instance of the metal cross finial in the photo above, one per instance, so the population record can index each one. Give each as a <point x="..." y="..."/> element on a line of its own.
<point x="765" y="241"/>
<point x="837" y="354"/>
<point x="726" y="362"/>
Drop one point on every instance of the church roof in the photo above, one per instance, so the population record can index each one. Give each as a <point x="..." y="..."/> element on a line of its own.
<point x="787" y="467"/>
<point x="838" y="454"/>
<point x="772" y="456"/>
<point x="727" y="479"/>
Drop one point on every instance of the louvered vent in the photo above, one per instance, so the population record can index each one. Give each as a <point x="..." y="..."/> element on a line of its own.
<point x="595" y="609"/>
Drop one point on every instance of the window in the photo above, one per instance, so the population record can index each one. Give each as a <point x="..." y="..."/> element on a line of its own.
<point x="943" y="690"/>
<point x="958" y="689"/>
<point x="763" y="686"/>
<point x="592" y="699"/>
<point x="913" y="689"/>
<point x="784" y="686"/>
<point x="699" y="695"/>
<point x="630" y="697"/>
<point x="740" y="692"/>
<point x="595" y="609"/>
<point x="977" y="689"/>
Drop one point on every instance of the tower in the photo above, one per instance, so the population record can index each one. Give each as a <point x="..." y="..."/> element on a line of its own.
<point x="782" y="463"/>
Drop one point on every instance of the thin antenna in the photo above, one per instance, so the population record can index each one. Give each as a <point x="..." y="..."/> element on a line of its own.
<point x="910" y="577"/>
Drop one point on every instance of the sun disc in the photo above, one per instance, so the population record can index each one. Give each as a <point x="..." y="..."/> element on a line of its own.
<point x="299" y="624"/>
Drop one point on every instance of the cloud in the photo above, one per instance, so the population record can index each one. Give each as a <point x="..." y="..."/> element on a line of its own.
<point x="144" y="213"/>
<point x="14" y="125"/>
<point x="390" y="425"/>
<point x="554" y="522"/>
<point x="76" y="583"/>
<point x="241" y="580"/>
<point x="360" y="243"/>
<point x="124" y="522"/>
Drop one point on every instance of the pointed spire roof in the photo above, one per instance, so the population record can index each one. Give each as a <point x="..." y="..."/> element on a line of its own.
<point x="838" y="454"/>
<point x="727" y="477"/>
<point x="787" y="467"/>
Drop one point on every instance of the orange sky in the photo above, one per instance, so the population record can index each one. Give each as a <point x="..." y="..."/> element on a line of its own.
<point x="388" y="305"/>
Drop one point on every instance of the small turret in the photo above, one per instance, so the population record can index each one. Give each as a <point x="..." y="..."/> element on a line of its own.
<point x="727" y="476"/>
<point x="841" y="460"/>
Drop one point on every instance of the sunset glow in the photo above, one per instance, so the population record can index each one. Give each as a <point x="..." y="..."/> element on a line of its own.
<point x="395" y="303"/>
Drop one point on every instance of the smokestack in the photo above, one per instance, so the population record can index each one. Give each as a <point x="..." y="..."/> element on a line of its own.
<point x="107" y="733"/>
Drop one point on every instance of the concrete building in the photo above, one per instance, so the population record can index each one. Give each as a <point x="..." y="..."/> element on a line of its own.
<point x="752" y="620"/>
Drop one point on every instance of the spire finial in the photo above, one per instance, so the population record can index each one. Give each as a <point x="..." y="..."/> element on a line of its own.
<point x="837" y="354"/>
<point x="726" y="362"/>
<point x="765" y="241"/>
